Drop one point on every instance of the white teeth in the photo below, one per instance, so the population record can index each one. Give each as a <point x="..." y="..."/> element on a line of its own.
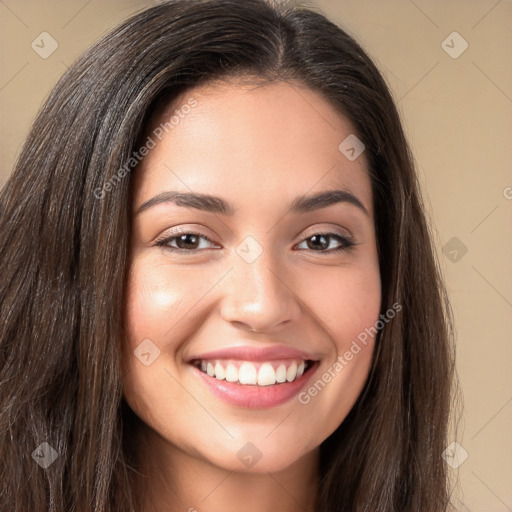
<point x="291" y="373"/>
<point x="247" y="374"/>
<point x="231" y="373"/>
<point x="266" y="375"/>
<point x="219" y="372"/>
<point x="281" y="373"/>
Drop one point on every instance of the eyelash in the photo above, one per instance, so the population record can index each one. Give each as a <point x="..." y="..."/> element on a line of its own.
<point x="346" y="244"/>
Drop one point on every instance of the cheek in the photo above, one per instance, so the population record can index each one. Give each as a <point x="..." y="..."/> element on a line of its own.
<point x="158" y="300"/>
<point x="159" y="304"/>
<point x="345" y="300"/>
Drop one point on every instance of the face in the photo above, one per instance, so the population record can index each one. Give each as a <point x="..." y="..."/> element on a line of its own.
<point x="246" y="297"/>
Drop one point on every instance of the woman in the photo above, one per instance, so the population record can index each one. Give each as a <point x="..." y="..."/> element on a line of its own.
<point x="254" y="368"/>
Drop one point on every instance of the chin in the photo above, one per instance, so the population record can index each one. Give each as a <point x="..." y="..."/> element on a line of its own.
<point x="261" y="456"/>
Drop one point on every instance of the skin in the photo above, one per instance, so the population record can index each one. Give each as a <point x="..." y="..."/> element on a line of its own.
<point x="258" y="148"/>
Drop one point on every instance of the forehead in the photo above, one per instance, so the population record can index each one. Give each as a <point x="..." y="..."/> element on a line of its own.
<point x="246" y="142"/>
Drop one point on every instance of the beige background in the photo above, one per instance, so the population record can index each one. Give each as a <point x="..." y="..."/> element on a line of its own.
<point x="458" y="116"/>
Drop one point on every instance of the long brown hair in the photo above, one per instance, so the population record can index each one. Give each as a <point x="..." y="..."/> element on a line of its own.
<point x="64" y="242"/>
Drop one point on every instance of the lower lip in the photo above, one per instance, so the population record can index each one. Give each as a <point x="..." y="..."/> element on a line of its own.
<point x="252" y="396"/>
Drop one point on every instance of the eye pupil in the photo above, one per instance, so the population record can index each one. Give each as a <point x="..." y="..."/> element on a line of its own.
<point x="183" y="238"/>
<point x="314" y="238"/>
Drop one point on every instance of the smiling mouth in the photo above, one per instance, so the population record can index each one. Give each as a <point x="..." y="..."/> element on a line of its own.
<point x="251" y="373"/>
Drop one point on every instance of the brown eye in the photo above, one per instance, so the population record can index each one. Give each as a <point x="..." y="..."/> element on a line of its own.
<point x="184" y="242"/>
<point x="320" y="242"/>
<point x="188" y="241"/>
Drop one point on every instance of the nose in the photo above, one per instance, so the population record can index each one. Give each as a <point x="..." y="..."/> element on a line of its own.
<point x="259" y="296"/>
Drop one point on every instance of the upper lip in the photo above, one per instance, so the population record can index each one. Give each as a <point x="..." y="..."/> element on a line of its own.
<point x="247" y="353"/>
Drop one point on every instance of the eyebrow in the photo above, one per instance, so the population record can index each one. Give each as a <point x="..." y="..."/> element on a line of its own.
<point x="214" y="204"/>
